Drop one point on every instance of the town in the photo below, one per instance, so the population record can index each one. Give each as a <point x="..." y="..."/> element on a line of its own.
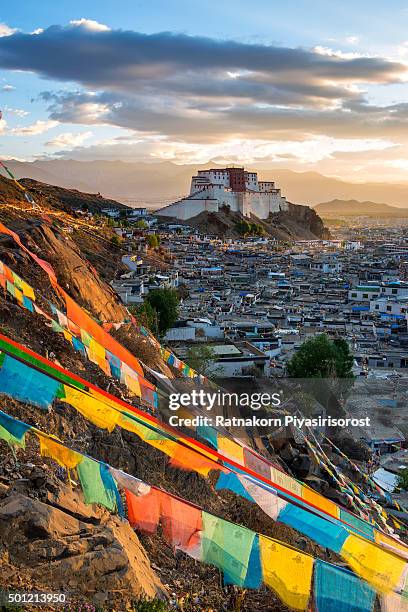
<point x="252" y="302"/>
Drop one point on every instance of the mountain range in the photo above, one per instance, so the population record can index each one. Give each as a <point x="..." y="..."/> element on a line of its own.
<point x="354" y="208"/>
<point x="157" y="183"/>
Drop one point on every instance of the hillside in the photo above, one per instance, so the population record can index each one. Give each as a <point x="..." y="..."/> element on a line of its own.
<point x="353" y="208"/>
<point x="159" y="183"/>
<point x="299" y="223"/>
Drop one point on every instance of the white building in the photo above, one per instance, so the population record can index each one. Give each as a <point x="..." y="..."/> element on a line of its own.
<point x="235" y="188"/>
<point x="367" y="293"/>
<point x="391" y="307"/>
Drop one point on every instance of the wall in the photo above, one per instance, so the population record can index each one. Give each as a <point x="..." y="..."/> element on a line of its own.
<point x="185" y="209"/>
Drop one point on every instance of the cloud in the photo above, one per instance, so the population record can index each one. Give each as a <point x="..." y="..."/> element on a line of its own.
<point x="7" y="88"/>
<point x="198" y="88"/>
<point x="5" y="30"/>
<point x="311" y="150"/>
<point x="188" y="97"/>
<point x="68" y="139"/>
<point x="19" y="112"/>
<point x="90" y="24"/>
<point x="39" y="127"/>
<point x="127" y="59"/>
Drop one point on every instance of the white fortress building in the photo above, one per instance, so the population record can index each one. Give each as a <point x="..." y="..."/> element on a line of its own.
<point x="211" y="190"/>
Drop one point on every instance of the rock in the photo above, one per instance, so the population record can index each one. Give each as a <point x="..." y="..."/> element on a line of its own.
<point x="71" y="501"/>
<point x="318" y="484"/>
<point x="301" y="464"/>
<point x="288" y="453"/>
<point x="53" y="547"/>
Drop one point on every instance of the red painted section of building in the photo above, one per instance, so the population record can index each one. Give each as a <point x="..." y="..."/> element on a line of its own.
<point x="237" y="178"/>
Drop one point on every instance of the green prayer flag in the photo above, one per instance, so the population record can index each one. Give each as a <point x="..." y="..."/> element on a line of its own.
<point x="92" y="484"/>
<point x="227" y="546"/>
<point x="10" y="439"/>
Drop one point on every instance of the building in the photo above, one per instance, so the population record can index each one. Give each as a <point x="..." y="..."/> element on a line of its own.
<point x="367" y="293"/>
<point x="233" y="188"/>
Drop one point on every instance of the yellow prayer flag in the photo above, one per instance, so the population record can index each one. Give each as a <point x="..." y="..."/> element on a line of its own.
<point x="18" y="295"/>
<point x="27" y="290"/>
<point x="92" y="408"/>
<point x="231" y="449"/>
<point x="132" y="425"/>
<point x="63" y="456"/>
<point x="391" y="543"/>
<point x="67" y="335"/>
<point x="133" y="385"/>
<point x="378" y="567"/>
<point x="287" y="572"/>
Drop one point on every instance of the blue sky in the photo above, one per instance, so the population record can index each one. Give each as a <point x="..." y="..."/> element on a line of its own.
<point x="307" y="85"/>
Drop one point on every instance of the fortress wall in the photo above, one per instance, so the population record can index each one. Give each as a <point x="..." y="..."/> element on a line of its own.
<point x="185" y="209"/>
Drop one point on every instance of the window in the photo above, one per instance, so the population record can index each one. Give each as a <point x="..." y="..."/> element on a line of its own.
<point x="365" y="295"/>
<point x="377" y="307"/>
<point x="354" y="295"/>
<point x="389" y="308"/>
<point x="394" y="291"/>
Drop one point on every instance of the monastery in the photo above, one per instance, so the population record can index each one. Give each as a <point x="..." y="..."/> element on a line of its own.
<point x="211" y="190"/>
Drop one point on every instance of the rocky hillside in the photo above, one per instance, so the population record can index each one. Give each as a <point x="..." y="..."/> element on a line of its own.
<point x="298" y="223"/>
<point x="59" y="198"/>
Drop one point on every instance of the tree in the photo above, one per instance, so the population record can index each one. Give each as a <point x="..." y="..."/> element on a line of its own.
<point x="146" y="315"/>
<point x="325" y="367"/>
<point x="153" y="241"/>
<point x="142" y="225"/>
<point x="116" y="240"/>
<point x="320" y="357"/>
<point x="403" y="479"/>
<point x="249" y="229"/>
<point x="201" y="358"/>
<point x="165" y="302"/>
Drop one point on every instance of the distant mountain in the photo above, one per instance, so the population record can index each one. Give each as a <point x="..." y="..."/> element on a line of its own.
<point x="354" y="208"/>
<point x="157" y="183"/>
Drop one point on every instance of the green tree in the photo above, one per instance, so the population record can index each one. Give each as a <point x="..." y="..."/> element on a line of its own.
<point x="146" y="315"/>
<point x="201" y="358"/>
<point x="249" y="229"/>
<point x="116" y="240"/>
<point x="403" y="479"/>
<point x="141" y="225"/>
<point x="325" y="367"/>
<point x="165" y="302"/>
<point x="243" y="227"/>
<point x="320" y="357"/>
<point x="153" y="241"/>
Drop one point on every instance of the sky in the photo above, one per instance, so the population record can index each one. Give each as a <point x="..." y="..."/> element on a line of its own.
<point x="300" y="84"/>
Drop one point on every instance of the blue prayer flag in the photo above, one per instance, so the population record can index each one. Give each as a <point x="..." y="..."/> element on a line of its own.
<point x="16" y="428"/>
<point x="232" y="483"/>
<point x="340" y="590"/>
<point x="26" y="384"/>
<point x="325" y="533"/>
